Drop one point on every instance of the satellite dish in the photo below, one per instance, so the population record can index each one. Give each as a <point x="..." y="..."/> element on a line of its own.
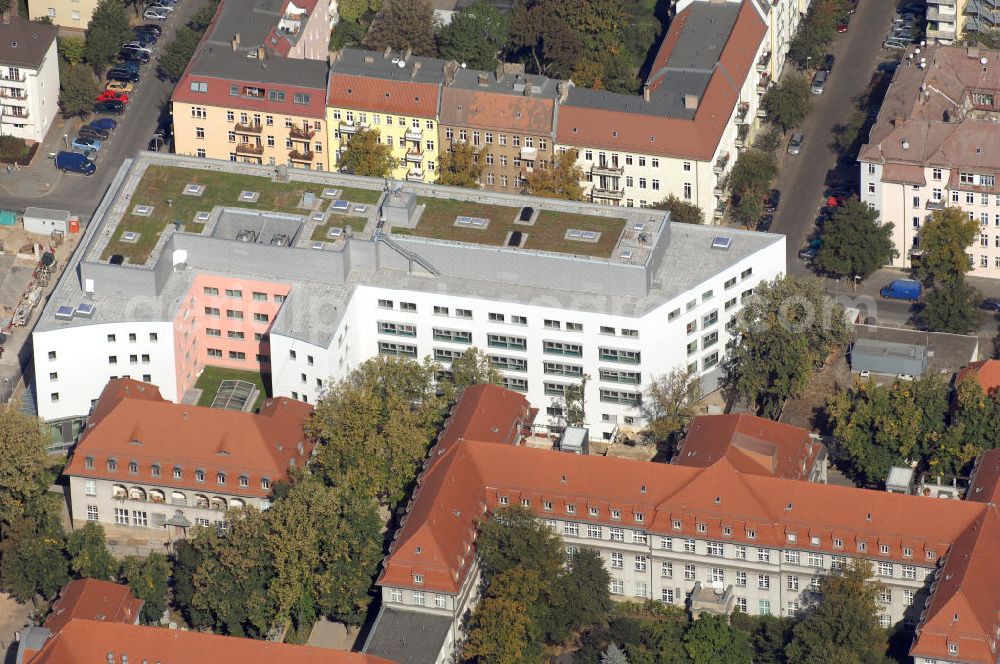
<point x="463" y="65"/>
<point x="983" y="60"/>
<point x="401" y="64"/>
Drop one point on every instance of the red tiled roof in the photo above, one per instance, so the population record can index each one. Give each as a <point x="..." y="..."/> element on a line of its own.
<point x="656" y="134"/>
<point x="129" y="424"/>
<point x="218" y="96"/>
<point x="986" y="373"/>
<point x="752" y="444"/>
<point x="89" y="642"/>
<point x="371" y="93"/>
<point x="93" y="599"/>
<point x="497" y="111"/>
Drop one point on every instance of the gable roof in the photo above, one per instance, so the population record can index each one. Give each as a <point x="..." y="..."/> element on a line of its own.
<point x="86" y="642"/>
<point x="93" y="599"/>
<point x="754" y="445"/>
<point x="373" y="81"/>
<point x="985" y="372"/>
<point x="25" y="43"/>
<point x="500" y="101"/>
<point x="132" y="422"/>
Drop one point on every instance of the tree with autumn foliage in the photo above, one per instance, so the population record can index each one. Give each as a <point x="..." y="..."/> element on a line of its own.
<point x="462" y="165"/>
<point x="560" y="179"/>
<point x="366" y="154"/>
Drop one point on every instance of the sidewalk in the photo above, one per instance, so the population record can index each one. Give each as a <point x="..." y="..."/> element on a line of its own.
<point x="41" y="176"/>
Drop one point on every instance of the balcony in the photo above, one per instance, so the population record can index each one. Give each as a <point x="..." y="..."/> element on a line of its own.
<point x="529" y="154"/>
<point x="761" y="113"/>
<point x="295" y="155"/>
<point x="720" y="164"/>
<point x="14" y="93"/>
<point x="301" y="134"/>
<point x="415" y="175"/>
<point x="601" y="192"/>
<point x="250" y="148"/>
<point x="18" y="77"/>
<point x="414" y="135"/>
<point x="350" y="126"/>
<point x="931" y="204"/>
<point x="13" y="114"/>
<point x="764" y="63"/>
<point x="764" y="83"/>
<point x="612" y="170"/>
<point x="718" y="190"/>
<point x="742" y="136"/>
<point x="248" y="128"/>
<point x="741" y="112"/>
<point x="415" y="155"/>
<point x="720" y="209"/>
<point x="717" y="600"/>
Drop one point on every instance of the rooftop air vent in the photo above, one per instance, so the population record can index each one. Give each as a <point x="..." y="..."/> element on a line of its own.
<point x="721" y="242"/>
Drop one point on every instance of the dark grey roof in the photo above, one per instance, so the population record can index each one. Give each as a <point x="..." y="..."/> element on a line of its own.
<point x="507" y="83"/>
<point x="353" y="63"/>
<point x="220" y="61"/>
<point x="252" y="21"/>
<point x="33" y="637"/>
<point x="24" y="43"/>
<point x="412" y="637"/>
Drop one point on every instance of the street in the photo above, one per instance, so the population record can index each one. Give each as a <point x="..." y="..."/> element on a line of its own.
<point x="44" y="186"/>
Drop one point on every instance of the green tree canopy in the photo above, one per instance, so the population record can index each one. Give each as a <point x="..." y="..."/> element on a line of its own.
<point x="71" y="49"/>
<point x="353" y="10"/>
<point x="88" y="553"/>
<point x="367" y="155"/>
<point x="560" y="180"/>
<point x="108" y="29"/>
<point x="175" y="57"/>
<point x="784" y="331"/>
<point x="952" y="305"/>
<point x="512" y="537"/>
<point x="476" y="35"/>
<point x="148" y="578"/>
<point x="844" y="626"/>
<point x="22" y="461"/>
<point x="944" y="239"/>
<point x="461" y="165"/>
<point x="32" y="555"/>
<point x="543" y="39"/>
<point x="710" y="640"/>
<point x="855" y="245"/>
<point x="748" y="183"/>
<point x="404" y="24"/>
<point x="669" y="405"/>
<point x="788" y="102"/>
<point x="77" y="90"/>
<point x="473" y="368"/>
<point x="499" y="634"/>
<point x="375" y="426"/>
<point x="681" y="211"/>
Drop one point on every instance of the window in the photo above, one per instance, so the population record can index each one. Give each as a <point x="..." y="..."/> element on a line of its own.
<point x="237" y="355"/>
<point x="617" y="534"/>
<point x="884" y="569"/>
<point x="140" y="518"/>
<point x="667" y="569"/>
<point x="815" y="560"/>
<point x="714" y="549"/>
<point x="399" y="350"/>
<point x="571" y="529"/>
<point x="395" y="595"/>
<point x="92" y="513"/>
<point x="617" y="585"/>
<point x="763" y="581"/>
<point x="621" y="356"/>
<point x="667" y="595"/>
<point x="121" y="516"/>
<point x="560" y="348"/>
<point x="90" y="487"/>
<point x="792" y="582"/>
<point x="741" y="579"/>
<point x="764" y="555"/>
<point x="689" y="546"/>
<point x="440" y="601"/>
<point x="640" y="589"/>
<point x="741" y="552"/>
<point x="112" y="465"/>
<point x="792" y="557"/>
<point x="560" y="369"/>
<point x="909" y="572"/>
<point x="639" y="537"/>
<point x="504" y="341"/>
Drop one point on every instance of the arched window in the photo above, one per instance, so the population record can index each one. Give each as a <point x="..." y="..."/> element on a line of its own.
<point x="133" y="467"/>
<point x="118" y="491"/>
<point x="200" y="501"/>
<point x="178" y="498"/>
<point x="112" y="464"/>
<point x="220" y="478"/>
<point x="236" y="503"/>
<point x="155" y="469"/>
<point x="244" y="481"/>
<point x="136" y="493"/>
<point x="199" y="475"/>
<point x="265" y="483"/>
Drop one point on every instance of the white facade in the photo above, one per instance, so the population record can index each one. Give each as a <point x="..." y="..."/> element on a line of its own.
<point x="29" y="97"/>
<point x="784" y="18"/>
<point x="908" y="206"/>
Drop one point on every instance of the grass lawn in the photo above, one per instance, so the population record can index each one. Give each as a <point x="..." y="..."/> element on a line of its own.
<point x="211" y="377"/>
<point x="160" y="183"/>
<point x="547" y="234"/>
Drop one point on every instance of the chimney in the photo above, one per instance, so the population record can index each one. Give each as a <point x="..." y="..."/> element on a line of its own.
<point x="500" y="71"/>
<point x="691" y="102"/>
<point x="407" y="53"/>
<point x="261" y="54"/>
<point x="416" y="68"/>
<point x="236" y="39"/>
<point x="450" y="70"/>
<point x="369" y="59"/>
<point x="973" y="52"/>
<point x="563" y="89"/>
<point x="387" y="53"/>
<point x="483" y="78"/>
<point x="5" y="17"/>
<point x="646" y="92"/>
<point x="334" y="56"/>
<point x="527" y="86"/>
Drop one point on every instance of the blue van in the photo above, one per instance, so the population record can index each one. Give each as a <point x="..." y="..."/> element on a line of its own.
<point x="902" y="289"/>
<point x="75" y="162"/>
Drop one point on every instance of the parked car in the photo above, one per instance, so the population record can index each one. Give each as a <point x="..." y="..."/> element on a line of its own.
<point x="795" y="145"/>
<point x="137" y="46"/>
<point x="902" y="289"/>
<point x="166" y="8"/>
<point x="130" y="55"/>
<point x="81" y="143"/>
<point x="772" y="201"/>
<point x="819" y="82"/>
<point x="894" y="45"/>
<point x="107" y="124"/>
<point x="828" y="61"/>
<point x="149" y="27"/>
<point x="765" y="222"/>
<point x="75" y="162"/>
<point x="123" y="74"/>
<point x="131" y="66"/>
<point x="93" y="132"/>
<point x="120" y="86"/>
<point x="990" y="304"/>
<point x="145" y="39"/>
<point x="808" y="253"/>
<point x="155" y="143"/>
<point x="111" y="95"/>
<point x="155" y="14"/>
<point x="115" y="107"/>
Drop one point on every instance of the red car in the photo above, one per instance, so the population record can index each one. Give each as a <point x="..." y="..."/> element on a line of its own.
<point x="111" y="95"/>
<point x="842" y="27"/>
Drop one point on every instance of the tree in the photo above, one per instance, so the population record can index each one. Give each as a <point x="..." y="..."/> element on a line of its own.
<point x="375" y="426"/>
<point x="473" y="368"/>
<point x="847" y="135"/>
<point x="178" y="53"/>
<point x="944" y="239"/>
<point x="77" y="89"/>
<point x="587" y="599"/>
<point x="769" y="140"/>
<point x="748" y="183"/>
<point x="353" y="10"/>
<point x="783" y="332"/>
<point x="951" y="306"/>
<point x="543" y="39"/>
<point x="613" y="655"/>
<point x="71" y="49"/>
<point x="476" y="35"/>
<point x="855" y="245"/>
<point x="32" y="555"/>
<point x="808" y="45"/>
<point x="402" y="25"/>
<point x="769" y="635"/>
<point x="788" y="102"/>
<point x="21" y="463"/>
<point x="669" y="404"/>
<point x="88" y="553"/>
<point x="512" y="537"/>
<point x="202" y="18"/>
<point x="108" y="29"/>
<point x="367" y="155"/>
<point x="461" y="165"/>
<point x="560" y="180"/>
<point x="575" y="402"/>
<point x="710" y="639"/>
<point x="147" y="578"/>
<point x="681" y="211"/>
<point x="347" y="34"/>
<point x="187" y="557"/>
<point x="498" y="634"/>
<point x="844" y="626"/>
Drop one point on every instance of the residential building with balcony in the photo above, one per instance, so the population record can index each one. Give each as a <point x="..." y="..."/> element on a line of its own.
<point x="29" y="78"/>
<point x="396" y="94"/>
<point x="946" y="20"/>
<point x="784" y="17"/>
<point x="146" y="463"/>
<point x="681" y="135"/>
<point x="715" y="536"/>
<point x="936" y="143"/>
<point x="253" y="93"/>
<point x="550" y="290"/>
<point x="507" y="116"/>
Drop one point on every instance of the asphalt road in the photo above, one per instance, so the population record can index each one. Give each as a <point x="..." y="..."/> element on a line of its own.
<point x="81" y="194"/>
